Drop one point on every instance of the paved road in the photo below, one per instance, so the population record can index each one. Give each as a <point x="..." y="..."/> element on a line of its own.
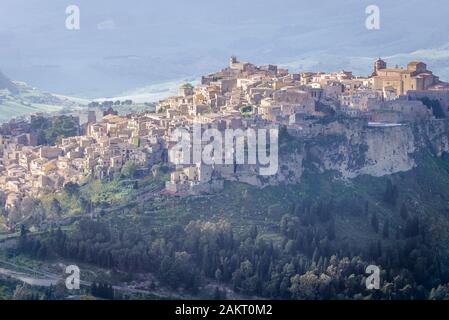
<point x="43" y="282"/>
<point x="45" y="279"/>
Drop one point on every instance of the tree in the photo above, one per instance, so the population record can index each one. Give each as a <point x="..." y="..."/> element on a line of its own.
<point x="217" y="294"/>
<point x="27" y="205"/>
<point x="41" y="138"/>
<point x="218" y="275"/>
<point x="386" y="230"/>
<point x="331" y="230"/>
<point x="21" y="293"/>
<point x="404" y="212"/>
<point x="305" y="286"/>
<point x="412" y="227"/>
<point x="102" y="290"/>
<point x="439" y="293"/>
<point x="375" y="222"/>
<point x="129" y="169"/>
<point x="434" y="106"/>
<point x="61" y="127"/>
<point x="55" y="207"/>
<point x="391" y="193"/>
<point x="71" y="188"/>
<point x="23" y="239"/>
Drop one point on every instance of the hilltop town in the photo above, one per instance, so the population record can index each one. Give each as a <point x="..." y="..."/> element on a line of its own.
<point x="240" y="96"/>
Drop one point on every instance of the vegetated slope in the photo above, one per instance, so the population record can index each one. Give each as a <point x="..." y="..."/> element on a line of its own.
<point x="10" y="108"/>
<point x="312" y="240"/>
<point x="351" y="203"/>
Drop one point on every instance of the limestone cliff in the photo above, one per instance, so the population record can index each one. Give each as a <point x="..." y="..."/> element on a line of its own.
<point x="355" y="148"/>
<point x="374" y="151"/>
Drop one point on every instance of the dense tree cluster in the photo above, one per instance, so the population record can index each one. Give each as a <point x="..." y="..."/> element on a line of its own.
<point x="308" y="262"/>
<point x="435" y="106"/>
<point x="23" y="291"/>
<point x="51" y="130"/>
<point x="391" y="193"/>
<point x="102" y="290"/>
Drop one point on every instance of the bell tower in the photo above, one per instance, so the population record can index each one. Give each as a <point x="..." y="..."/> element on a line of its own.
<point x="232" y="61"/>
<point x="379" y="64"/>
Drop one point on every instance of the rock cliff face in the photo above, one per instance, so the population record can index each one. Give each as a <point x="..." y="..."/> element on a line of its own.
<point x="375" y="151"/>
<point x="433" y="135"/>
<point x="354" y="149"/>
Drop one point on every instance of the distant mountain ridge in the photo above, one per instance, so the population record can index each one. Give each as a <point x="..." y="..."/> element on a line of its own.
<point x="5" y="83"/>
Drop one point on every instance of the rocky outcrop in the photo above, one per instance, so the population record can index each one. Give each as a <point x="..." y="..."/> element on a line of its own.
<point x="355" y="148"/>
<point x="378" y="151"/>
<point x="375" y="151"/>
<point x="433" y="135"/>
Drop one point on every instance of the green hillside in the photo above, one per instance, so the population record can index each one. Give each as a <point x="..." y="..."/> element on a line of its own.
<point x="14" y="106"/>
<point x="19" y="99"/>
<point x="306" y="241"/>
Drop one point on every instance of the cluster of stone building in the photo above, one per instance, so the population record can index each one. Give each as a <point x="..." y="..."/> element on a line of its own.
<point x="27" y="169"/>
<point x="298" y="101"/>
<point x="240" y="96"/>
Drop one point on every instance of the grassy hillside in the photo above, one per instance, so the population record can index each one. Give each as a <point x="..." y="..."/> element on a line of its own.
<point x="11" y="107"/>
<point x="24" y="100"/>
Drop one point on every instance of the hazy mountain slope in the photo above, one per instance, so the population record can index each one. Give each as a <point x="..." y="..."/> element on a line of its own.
<point x="124" y="45"/>
<point x="19" y="99"/>
<point x="5" y="83"/>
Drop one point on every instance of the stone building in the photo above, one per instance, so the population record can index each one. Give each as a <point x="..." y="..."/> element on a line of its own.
<point x="415" y="77"/>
